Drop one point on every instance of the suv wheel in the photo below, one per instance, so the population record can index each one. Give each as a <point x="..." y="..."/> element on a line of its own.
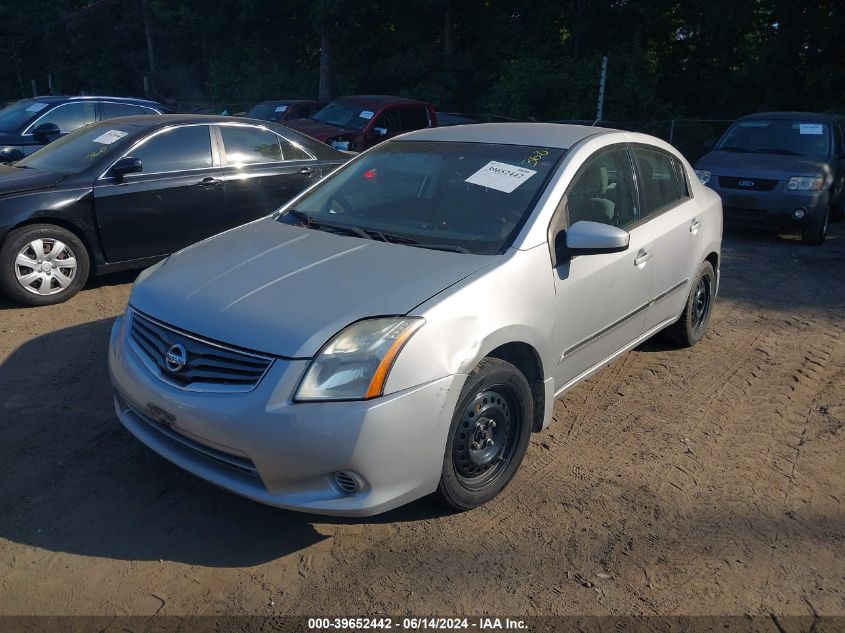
<point x="42" y="264"/>
<point x="689" y="329"/>
<point x="814" y="229"/>
<point x="489" y="434"/>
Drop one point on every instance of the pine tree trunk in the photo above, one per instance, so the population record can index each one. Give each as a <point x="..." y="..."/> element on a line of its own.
<point x="325" y="90"/>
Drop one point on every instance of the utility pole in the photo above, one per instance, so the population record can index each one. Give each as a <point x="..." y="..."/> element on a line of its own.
<point x="602" y="83"/>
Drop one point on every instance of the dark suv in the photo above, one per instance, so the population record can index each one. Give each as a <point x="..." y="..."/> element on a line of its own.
<point x="359" y="122"/>
<point x="780" y="170"/>
<point x="28" y="125"/>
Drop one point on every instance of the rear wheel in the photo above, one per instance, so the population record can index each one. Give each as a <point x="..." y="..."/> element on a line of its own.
<point x="814" y="230"/>
<point x="42" y="264"/>
<point x="689" y="329"/>
<point x="489" y="435"/>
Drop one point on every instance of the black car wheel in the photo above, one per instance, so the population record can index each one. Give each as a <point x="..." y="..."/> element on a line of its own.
<point x="489" y="434"/>
<point x="689" y="329"/>
<point x="42" y="264"/>
<point x="814" y="230"/>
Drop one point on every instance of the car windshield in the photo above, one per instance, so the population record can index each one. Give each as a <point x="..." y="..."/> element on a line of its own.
<point x="14" y="117"/>
<point x="463" y="197"/>
<point x="78" y="150"/>
<point x="349" y="116"/>
<point x="793" y="137"/>
<point x="267" y="111"/>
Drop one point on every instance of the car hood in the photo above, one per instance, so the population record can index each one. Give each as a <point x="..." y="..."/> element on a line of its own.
<point x="17" y="179"/>
<point x="285" y="290"/>
<point x="773" y="166"/>
<point x="320" y="131"/>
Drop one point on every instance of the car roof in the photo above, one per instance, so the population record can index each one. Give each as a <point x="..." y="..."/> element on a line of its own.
<point x="292" y="101"/>
<point x="379" y="100"/>
<point x="161" y="120"/>
<point x="65" y="98"/>
<point x="534" y="134"/>
<point x="807" y="116"/>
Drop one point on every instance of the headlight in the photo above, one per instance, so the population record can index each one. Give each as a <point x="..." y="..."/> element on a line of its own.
<point x="339" y="144"/>
<point x="703" y="175"/>
<point x="355" y="363"/>
<point x="805" y="183"/>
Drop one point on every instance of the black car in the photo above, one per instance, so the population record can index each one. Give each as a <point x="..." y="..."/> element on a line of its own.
<point x="28" y="125"/>
<point x="124" y="193"/>
<point x="285" y="110"/>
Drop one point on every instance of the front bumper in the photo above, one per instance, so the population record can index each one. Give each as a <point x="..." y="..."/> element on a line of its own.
<point x="263" y="446"/>
<point x="769" y="209"/>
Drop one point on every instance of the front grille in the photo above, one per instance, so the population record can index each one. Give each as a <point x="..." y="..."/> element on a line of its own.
<point x="208" y="366"/>
<point x="757" y="184"/>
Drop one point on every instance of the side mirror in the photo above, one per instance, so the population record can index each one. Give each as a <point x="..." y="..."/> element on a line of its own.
<point x="126" y="165"/>
<point x="590" y="238"/>
<point x="45" y="131"/>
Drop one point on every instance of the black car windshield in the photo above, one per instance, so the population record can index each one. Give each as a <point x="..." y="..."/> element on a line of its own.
<point x="353" y="117"/>
<point x="79" y="150"/>
<point x="464" y="197"/>
<point x="14" y="117"/>
<point x="777" y="136"/>
<point x="267" y="111"/>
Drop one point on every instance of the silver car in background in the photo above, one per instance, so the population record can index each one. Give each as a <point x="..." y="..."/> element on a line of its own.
<point x="402" y="327"/>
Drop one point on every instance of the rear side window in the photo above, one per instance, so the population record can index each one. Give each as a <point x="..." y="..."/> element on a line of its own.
<point x="250" y="145"/>
<point x="70" y="116"/>
<point x="292" y="151"/>
<point x="603" y="191"/>
<point x="660" y="181"/>
<point x="414" y="118"/>
<point x="176" y="150"/>
<point x="390" y="121"/>
<point x="114" y="110"/>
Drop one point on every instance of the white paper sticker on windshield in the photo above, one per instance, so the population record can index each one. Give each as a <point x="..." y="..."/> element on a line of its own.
<point x="281" y="108"/>
<point x="500" y="176"/>
<point x="810" y="128"/>
<point x="366" y="114"/>
<point x="110" y="137"/>
<point x="36" y="107"/>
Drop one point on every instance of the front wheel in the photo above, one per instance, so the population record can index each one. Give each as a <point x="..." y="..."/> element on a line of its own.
<point x="814" y="230"/>
<point x="489" y="435"/>
<point x="689" y="329"/>
<point x="42" y="264"/>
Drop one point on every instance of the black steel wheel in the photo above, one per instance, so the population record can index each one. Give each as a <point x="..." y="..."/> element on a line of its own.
<point x="489" y="434"/>
<point x="692" y="324"/>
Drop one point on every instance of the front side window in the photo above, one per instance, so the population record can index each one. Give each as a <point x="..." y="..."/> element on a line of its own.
<point x="414" y="118"/>
<point x="792" y="137"/>
<point x="178" y="149"/>
<point x="70" y="116"/>
<point x="246" y="145"/>
<point x="603" y="190"/>
<point x="467" y="197"/>
<point x="390" y="122"/>
<point x="659" y="180"/>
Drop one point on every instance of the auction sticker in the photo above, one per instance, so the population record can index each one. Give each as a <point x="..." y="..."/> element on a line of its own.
<point x="110" y="137"/>
<point x="500" y="176"/>
<point x="36" y="107"/>
<point x="281" y="108"/>
<point x="810" y="128"/>
<point x="366" y="114"/>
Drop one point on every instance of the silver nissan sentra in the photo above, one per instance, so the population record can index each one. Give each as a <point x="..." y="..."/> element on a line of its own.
<point x="404" y="325"/>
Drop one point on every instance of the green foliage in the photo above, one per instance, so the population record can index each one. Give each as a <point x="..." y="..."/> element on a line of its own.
<point x="667" y="58"/>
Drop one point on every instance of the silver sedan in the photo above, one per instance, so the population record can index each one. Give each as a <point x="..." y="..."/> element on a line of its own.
<point x="403" y="326"/>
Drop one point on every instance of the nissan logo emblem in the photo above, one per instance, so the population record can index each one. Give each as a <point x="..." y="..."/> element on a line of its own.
<point x="746" y="183"/>
<point x="176" y="358"/>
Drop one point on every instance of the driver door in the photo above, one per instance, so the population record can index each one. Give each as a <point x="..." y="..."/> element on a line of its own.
<point x="602" y="300"/>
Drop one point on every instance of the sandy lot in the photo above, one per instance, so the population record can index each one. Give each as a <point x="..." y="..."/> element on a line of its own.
<point x="702" y="481"/>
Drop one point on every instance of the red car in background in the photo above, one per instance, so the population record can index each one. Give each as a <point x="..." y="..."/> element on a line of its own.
<point x="359" y="122"/>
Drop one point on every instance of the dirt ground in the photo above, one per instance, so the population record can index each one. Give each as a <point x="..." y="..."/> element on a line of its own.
<point x="700" y="481"/>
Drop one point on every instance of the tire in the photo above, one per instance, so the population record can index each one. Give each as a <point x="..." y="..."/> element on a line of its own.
<point x="473" y="471"/>
<point x="689" y="329"/>
<point x="49" y="281"/>
<point x="814" y="230"/>
<point x="837" y="211"/>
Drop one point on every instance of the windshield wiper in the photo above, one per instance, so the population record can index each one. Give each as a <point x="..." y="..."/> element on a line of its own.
<point x="733" y="148"/>
<point x="775" y="150"/>
<point x="409" y="241"/>
<point x="332" y="227"/>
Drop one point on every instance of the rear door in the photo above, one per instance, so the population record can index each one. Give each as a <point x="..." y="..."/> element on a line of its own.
<point x="261" y="171"/>
<point x="414" y="118"/>
<point x="175" y="201"/>
<point x="675" y="221"/>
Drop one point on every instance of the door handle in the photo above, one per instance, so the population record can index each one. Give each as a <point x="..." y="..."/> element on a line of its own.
<point x="209" y="182"/>
<point x="306" y="171"/>
<point x="694" y="226"/>
<point x="642" y="257"/>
